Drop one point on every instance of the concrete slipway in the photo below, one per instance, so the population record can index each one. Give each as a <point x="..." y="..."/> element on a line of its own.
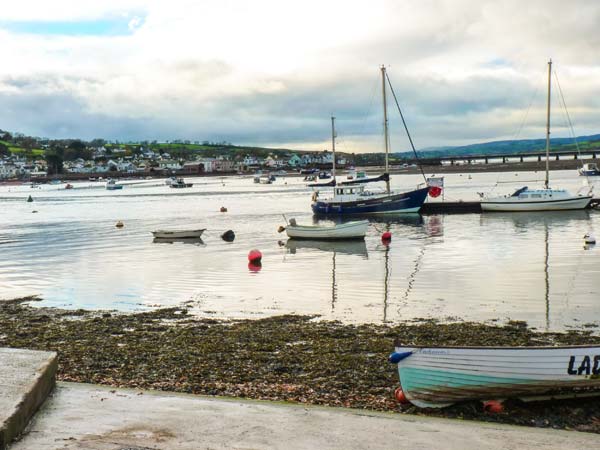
<point x="79" y="416"/>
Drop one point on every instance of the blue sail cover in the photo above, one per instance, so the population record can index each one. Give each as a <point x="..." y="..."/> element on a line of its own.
<point x="384" y="177"/>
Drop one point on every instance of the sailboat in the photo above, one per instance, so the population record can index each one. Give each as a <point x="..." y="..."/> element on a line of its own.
<point x="352" y="198"/>
<point x="542" y="199"/>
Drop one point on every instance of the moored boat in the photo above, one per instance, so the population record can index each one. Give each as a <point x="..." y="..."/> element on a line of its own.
<point x="436" y="377"/>
<point x="179" y="183"/>
<point x="348" y="230"/>
<point x="589" y="170"/>
<point x="111" y="185"/>
<point x="178" y="234"/>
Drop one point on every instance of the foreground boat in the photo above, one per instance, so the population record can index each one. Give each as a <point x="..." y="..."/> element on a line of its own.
<point x="348" y="230"/>
<point x="180" y="234"/>
<point x="542" y="199"/>
<point x="436" y="377"/>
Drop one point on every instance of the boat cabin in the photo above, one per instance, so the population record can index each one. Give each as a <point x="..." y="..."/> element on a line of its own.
<point x="526" y="193"/>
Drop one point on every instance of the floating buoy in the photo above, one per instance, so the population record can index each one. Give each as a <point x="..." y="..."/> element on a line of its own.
<point x="255" y="256"/>
<point x="254" y="266"/>
<point x="386" y="237"/>
<point x="493" y="406"/>
<point x="223" y="209"/>
<point x="400" y="397"/>
<point x="29" y="199"/>
<point x="281" y="229"/>
<point x="589" y="239"/>
<point x="34" y="211"/>
<point x="228" y="236"/>
<point x="119" y="224"/>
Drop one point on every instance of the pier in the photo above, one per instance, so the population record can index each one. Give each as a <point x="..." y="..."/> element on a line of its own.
<point x="468" y="207"/>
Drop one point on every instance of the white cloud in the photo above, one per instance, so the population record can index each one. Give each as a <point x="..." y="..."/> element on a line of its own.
<point x="269" y="71"/>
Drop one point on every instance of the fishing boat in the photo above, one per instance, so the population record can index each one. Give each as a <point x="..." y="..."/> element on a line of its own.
<point x="541" y="199"/>
<point x="351" y="197"/>
<point x="435" y="377"/>
<point x="589" y="170"/>
<point x="178" y="234"/>
<point x="111" y="185"/>
<point x="348" y="230"/>
<point x="179" y="183"/>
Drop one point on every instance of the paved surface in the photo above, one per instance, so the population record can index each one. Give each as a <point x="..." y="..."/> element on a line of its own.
<point x="79" y="416"/>
<point x="26" y="379"/>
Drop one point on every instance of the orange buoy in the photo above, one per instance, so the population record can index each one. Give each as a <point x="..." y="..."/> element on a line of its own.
<point x="400" y="397"/>
<point x="255" y="256"/>
<point x="493" y="406"/>
<point x="386" y="237"/>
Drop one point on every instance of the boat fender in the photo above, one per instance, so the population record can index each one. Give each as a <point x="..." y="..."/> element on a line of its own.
<point x="400" y="397"/>
<point x="396" y="357"/>
<point x="255" y="256"/>
<point x="228" y="236"/>
<point x="493" y="406"/>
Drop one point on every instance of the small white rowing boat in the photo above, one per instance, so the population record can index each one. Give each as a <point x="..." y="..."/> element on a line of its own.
<point x="348" y="230"/>
<point x="181" y="234"/>
<point x="435" y="377"/>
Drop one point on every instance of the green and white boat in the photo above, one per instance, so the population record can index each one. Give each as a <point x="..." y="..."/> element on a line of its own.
<point x="435" y="377"/>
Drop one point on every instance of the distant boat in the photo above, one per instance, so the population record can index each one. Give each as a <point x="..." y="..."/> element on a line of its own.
<point x="68" y="186"/>
<point x="351" y="197"/>
<point x="179" y="183"/>
<point x="542" y="199"/>
<point x="324" y="175"/>
<point x="435" y="377"/>
<point x="178" y="234"/>
<point x="169" y="181"/>
<point x="112" y="185"/>
<point x="589" y="170"/>
<point x="348" y="230"/>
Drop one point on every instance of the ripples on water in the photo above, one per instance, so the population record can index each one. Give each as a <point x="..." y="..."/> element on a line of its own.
<point x="527" y="266"/>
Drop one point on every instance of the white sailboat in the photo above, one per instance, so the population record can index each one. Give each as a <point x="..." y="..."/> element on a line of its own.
<point x="541" y="199"/>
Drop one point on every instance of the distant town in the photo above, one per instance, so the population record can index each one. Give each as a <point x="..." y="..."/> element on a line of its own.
<point x="24" y="157"/>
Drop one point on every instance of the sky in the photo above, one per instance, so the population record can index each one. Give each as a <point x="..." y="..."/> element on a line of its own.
<point x="273" y="72"/>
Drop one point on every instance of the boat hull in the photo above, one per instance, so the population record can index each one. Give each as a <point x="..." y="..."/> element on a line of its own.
<point x="183" y="234"/>
<point x="349" y="230"/>
<point x="513" y="204"/>
<point x="115" y="187"/>
<point x="438" y="377"/>
<point x="403" y="202"/>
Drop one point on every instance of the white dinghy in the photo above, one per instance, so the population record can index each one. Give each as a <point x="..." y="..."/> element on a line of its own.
<point x="349" y="230"/>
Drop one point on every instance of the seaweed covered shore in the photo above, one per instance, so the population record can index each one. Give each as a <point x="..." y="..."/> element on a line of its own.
<point x="289" y="358"/>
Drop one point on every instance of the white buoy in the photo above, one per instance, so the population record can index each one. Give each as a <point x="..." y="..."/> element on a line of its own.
<point x="589" y="239"/>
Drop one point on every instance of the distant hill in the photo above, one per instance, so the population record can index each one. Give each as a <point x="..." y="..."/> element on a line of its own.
<point x="585" y="143"/>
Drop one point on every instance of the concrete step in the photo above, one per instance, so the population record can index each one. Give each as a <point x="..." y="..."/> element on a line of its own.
<point x="26" y="379"/>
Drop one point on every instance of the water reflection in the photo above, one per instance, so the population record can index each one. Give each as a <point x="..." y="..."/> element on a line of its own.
<point x="193" y="241"/>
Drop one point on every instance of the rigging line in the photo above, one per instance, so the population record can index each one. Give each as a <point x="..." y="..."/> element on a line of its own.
<point x="363" y="122"/>
<point x="564" y="104"/>
<point x="405" y="127"/>
<point x="526" y="113"/>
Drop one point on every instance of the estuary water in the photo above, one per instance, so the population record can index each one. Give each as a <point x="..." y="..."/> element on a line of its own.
<point x="482" y="267"/>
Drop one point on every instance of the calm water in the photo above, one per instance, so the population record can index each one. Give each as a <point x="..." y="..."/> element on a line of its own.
<point x="528" y="266"/>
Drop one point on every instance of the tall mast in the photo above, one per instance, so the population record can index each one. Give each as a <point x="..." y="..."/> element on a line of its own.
<point x="333" y="145"/>
<point x="548" y="125"/>
<point x="385" y="127"/>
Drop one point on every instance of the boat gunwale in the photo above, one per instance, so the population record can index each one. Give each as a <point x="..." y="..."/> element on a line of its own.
<point x="474" y="347"/>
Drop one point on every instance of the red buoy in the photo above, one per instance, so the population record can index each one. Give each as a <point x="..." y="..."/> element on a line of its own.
<point x="493" y="406"/>
<point x="255" y="256"/>
<point x="435" y="191"/>
<point x="400" y="397"/>
<point x="386" y="237"/>
<point x="254" y="266"/>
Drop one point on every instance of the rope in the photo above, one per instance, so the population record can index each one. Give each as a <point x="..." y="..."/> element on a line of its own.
<point x="405" y="127"/>
<point x="564" y="104"/>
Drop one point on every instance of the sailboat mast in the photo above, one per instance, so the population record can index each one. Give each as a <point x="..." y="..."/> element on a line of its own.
<point x="333" y="145"/>
<point x="548" y="125"/>
<point x="385" y="127"/>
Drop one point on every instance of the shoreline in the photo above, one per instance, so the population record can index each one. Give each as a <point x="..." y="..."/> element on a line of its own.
<point x="284" y="358"/>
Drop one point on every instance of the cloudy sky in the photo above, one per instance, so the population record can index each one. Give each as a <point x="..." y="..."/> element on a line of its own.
<point x="272" y="72"/>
